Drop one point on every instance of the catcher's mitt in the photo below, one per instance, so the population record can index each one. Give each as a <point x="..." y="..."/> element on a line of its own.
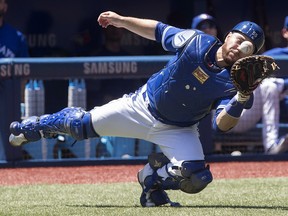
<point x="247" y="73"/>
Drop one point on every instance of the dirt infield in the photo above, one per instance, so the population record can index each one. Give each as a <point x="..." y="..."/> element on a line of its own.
<point x="127" y="173"/>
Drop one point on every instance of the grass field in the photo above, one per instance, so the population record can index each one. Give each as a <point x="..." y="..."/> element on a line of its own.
<point x="255" y="196"/>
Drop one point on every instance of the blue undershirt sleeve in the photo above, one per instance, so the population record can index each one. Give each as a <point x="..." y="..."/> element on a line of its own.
<point x="233" y="108"/>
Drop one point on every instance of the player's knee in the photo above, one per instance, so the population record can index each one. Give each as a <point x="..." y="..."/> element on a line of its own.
<point x="196" y="176"/>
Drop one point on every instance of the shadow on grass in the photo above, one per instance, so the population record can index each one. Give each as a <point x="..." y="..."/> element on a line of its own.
<point x="284" y="208"/>
<point x="238" y="207"/>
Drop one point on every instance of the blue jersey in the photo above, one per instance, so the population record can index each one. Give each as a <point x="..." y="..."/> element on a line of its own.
<point x="12" y="42"/>
<point x="277" y="51"/>
<point x="191" y="84"/>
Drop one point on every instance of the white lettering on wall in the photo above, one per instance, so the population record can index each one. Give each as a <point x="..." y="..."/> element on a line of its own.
<point x="7" y="70"/>
<point x="41" y="40"/>
<point x="110" y="67"/>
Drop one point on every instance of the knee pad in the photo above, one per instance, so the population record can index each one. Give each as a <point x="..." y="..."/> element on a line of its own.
<point x="196" y="176"/>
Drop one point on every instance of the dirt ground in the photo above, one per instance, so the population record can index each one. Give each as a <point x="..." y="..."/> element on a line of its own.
<point x="127" y="173"/>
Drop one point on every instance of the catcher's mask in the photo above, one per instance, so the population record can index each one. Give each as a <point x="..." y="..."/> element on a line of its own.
<point x="252" y="31"/>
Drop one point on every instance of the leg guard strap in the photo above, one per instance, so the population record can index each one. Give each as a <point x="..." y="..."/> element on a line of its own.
<point x="82" y="128"/>
<point x="88" y="130"/>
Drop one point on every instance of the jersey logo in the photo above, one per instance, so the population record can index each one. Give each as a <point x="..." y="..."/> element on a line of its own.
<point x="200" y="75"/>
<point x="181" y="38"/>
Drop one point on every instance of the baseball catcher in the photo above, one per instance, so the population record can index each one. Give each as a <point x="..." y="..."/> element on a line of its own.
<point x="167" y="109"/>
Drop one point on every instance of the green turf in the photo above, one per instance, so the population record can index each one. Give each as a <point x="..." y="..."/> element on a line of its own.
<point x="258" y="196"/>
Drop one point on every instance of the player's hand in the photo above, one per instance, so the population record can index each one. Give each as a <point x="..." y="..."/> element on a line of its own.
<point x="109" y="18"/>
<point x="242" y="98"/>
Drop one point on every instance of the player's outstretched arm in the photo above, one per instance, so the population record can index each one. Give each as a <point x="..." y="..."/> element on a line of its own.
<point x="246" y="74"/>
<point x="226" y="117"/>
<point x="142" y="27"/>
<point x="225" y="122"/>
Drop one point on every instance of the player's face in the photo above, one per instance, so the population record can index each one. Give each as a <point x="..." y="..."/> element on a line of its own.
<point x="230" y="48"/>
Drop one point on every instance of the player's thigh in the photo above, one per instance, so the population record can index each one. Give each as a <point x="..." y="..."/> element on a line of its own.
<point x="178" y="143"/>
<point x="119" y="118"/>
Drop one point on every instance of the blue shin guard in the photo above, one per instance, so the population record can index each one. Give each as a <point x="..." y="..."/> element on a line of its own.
<point x="72" y="121"/>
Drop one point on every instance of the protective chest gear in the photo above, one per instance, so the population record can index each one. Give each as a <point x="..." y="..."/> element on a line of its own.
<point x="184" y="91"/>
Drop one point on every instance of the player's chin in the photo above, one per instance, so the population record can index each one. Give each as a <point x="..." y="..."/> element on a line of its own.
<point x="229" y="61"/>
<point x="231" y="58"/>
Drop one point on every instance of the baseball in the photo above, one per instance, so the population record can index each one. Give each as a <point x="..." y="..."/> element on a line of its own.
<point x="246" y="47"/>
<point x="236" y="153"/>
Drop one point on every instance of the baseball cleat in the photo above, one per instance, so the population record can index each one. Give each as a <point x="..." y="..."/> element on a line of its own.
<point x="17" y="140"/>
<point x="152" y="194"/>
<point x="24" y="132"/>
<point x="280" y="147"/>
<point x="145" y="197"/>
